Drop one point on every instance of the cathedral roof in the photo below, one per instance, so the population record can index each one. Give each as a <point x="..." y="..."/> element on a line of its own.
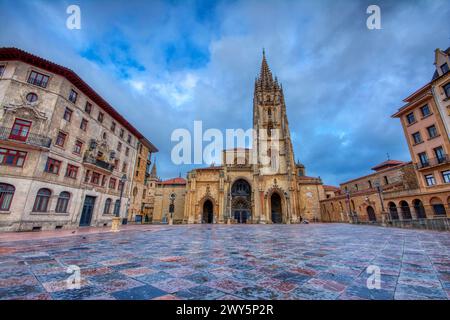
<point x="387" y="164"/>
<point x="330" y="188"/>
<point x="174" y="181"/>
<point x="210" y="168"/>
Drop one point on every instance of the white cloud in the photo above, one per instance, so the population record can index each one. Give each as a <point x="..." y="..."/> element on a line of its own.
<point x="137" y="85"/>
<point x="177" y="89"/>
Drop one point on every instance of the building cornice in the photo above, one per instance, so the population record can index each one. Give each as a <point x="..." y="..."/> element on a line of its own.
<point x="15" y="54"/>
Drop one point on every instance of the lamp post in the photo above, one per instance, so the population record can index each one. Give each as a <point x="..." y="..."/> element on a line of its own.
<point x="116" y="220"/>
<point x="229" y="211"/>
<point x="286" y="195"/>
<point x="171" y="207"/>
<point x="347" y="193"/>
<point x="378" y="187"/>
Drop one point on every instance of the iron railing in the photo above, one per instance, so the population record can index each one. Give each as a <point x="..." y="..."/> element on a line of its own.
<point x="433" y="162"/>
<point x="99" y="163"/>
<point x="31" y="139"/>
<point x="431" y="217"/>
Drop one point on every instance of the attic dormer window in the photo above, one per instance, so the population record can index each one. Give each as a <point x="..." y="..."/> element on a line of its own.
<point x="444" y="68"/>
<point x="447" y="90"/>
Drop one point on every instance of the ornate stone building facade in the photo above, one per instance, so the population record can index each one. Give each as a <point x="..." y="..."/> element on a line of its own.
<point x="65" y="153"/>
<point x="142" y="195"/>
<point x="362" y="199"/>
<point x="425" y="122"/>
<point x="414" y="194"/>
<point x="170" y="199"/>
<point x="247" y="189"/>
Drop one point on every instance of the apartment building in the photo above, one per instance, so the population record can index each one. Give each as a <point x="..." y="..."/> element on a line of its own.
<point x="425" y="121"/>
<point x="362" y="199"/>
<point x="144" y="183"/>
<point x="65" y="153"/>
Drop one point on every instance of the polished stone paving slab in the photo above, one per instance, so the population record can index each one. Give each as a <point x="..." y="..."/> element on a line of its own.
<point x="315" y="261"/>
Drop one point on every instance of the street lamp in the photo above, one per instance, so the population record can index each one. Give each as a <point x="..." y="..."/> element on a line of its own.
<point x="350" y="216"/>
<point x="286" y="195"/>
<point x="123" y="179"/>
<point x="230" y="200"/>
<point x="116" y="219"/>
<point x="171" y="207"/>
<point x="378" y="187"/>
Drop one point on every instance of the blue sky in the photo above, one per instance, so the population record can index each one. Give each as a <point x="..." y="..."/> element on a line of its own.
<point x="164" y="64"/>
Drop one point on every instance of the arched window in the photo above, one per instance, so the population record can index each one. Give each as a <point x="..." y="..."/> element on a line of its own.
<point x="6" y="196"/>
<point x="117" y="207"/>
<point x="274" y="160"/>
<point x="107" y="208"/>
<point x="438" y="206"/>
<point x="42" y="200"/>
<point x="393" y="211"/>
<point x="406" y="212"/>
<point x="371" y="214"/>
<point x="31" y="97"/>
<point x="63" y="202"/>
<point x="419" y="209"/>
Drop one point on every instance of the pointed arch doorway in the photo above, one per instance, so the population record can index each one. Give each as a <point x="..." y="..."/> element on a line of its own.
<point x="276" y="208"/>
<point x="371" y="214"/>
<point x="208" y="212"/>
<point x="241" y="202"/>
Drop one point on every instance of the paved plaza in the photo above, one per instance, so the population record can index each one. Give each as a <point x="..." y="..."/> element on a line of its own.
<point x="315" y="261"/>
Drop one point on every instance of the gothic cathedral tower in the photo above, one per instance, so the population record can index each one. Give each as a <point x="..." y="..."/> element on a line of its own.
<point x="272" y="142"/>
<point x="271" y="188"/>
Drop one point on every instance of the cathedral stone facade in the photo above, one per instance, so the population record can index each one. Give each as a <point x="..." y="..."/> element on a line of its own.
<point x="248" y="189"/>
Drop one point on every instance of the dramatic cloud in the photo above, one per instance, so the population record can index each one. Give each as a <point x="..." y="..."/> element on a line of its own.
<point x="164" y="64"/>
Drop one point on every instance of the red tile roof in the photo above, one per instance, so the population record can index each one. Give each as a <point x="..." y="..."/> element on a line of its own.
<point x="331" y="188"/>
<point x="14" y="54"/>
<point x="387" y="164"/>
<point x="174" y="181"/>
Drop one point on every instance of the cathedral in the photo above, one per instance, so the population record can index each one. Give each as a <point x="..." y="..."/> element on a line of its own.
<point x="248" y="189"/>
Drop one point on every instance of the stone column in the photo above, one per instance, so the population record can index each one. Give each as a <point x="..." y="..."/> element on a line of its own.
<point x="262" y="213"/>
<point x="267" y="209"/>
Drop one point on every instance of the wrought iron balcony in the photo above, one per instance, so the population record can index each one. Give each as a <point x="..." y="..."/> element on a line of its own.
<point x="31" y="139"/>
<point x="99" y="163"/>
<point x="433" y="162"/>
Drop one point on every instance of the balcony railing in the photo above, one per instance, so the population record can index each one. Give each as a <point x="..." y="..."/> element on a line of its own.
<point x="433" y="162"/>
<point x="32" y="139"/>
<point x="418" y="216"/>
<point x="99" y="163"/>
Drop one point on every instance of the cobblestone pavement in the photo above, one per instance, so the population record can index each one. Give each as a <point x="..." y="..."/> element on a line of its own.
<point x="315" y="261"/>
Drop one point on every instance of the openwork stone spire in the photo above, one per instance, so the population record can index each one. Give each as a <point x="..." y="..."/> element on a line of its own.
<point x="153" y="172"/>
<point x="265" y="79"/>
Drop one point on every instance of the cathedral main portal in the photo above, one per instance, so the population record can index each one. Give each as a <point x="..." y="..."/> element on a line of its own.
<point x="241" y="201"/>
